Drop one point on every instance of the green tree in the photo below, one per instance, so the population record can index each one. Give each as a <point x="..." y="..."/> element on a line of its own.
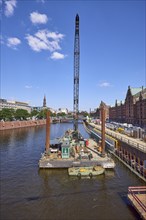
<point x="7" y="114"/>
<point x="34" y="113"/>
<point x="42" y="114"/>
<point x="21" y="114"/>
<point x="52" y="114"/>
<point x="84" y="113"/>
<point x="61" y="114"/>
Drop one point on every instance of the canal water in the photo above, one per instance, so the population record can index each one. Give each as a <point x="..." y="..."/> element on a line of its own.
<point x="27" y="193"/>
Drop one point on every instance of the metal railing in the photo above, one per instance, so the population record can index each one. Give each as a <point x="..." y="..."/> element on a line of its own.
<point x="133" y="143"/>
<point x="134" y="191"/>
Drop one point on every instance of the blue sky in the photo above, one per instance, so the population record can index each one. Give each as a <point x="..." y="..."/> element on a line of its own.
<point x="37" y="45"/>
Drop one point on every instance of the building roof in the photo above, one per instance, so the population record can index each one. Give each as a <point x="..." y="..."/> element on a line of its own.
<point x="119" y="103"/>
<point x="134" y="91"/>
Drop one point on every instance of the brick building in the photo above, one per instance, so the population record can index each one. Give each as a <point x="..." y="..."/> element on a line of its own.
<point x="97" y="112"/>
<point x="133" y="110"/>
<point x="117" y="112"/>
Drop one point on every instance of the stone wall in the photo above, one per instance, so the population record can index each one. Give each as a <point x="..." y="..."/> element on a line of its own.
<point x="20" y="124"/>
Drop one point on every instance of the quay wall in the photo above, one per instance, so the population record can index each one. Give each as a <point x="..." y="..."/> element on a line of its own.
<point x="4" y="125"/>
<point x="133" y="156"/>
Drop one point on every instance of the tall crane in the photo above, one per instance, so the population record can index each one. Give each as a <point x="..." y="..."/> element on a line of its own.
<point x="76" y="73"/>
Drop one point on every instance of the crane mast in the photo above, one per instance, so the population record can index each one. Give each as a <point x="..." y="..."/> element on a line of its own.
<point x="76" y="73"/>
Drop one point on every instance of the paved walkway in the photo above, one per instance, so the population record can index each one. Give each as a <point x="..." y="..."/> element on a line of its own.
<point x="137" y="143"/>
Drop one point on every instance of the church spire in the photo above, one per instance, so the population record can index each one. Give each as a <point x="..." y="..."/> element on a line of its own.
<point x="44" y="102"/>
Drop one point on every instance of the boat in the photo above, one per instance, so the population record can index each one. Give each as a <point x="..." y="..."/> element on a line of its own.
<point x="86" y="171"/>
<point x="72" y="150"/>
<point x="109" y="164"/>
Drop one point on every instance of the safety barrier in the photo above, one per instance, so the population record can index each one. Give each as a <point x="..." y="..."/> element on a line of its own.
<point x="140" y="146"/>
<point x="134" y="191"/>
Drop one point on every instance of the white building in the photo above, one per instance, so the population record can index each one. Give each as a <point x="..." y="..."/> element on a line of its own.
<point x="62" y="110"/>
<point x="14" y="105"/>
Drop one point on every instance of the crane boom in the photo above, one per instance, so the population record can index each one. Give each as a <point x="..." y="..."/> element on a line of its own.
<point x="76" y="73"/>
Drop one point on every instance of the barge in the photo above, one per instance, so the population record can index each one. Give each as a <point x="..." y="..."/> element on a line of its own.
<point x="72" y="154"/>
<point x="72" y="150"/>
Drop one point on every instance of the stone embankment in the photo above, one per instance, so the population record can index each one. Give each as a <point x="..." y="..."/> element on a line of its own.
<point x="20" y="124"/>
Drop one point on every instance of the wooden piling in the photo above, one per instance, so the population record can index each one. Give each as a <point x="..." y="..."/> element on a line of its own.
<point x="47" y="132"/>
<point x="103" y="128"/>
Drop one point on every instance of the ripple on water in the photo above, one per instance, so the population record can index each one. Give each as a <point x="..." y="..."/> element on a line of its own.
<point x="30" y="193"/>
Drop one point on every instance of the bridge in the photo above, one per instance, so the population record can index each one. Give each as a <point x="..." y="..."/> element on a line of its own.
<point x="65" y="119"/>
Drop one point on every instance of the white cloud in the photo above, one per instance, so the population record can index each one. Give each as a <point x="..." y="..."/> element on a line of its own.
<point x="9" y="7"/>
<point x="13" y="42"/>
<point x="55" y="35"/>
<point x="36" y="44"/>
<point x="37" y="18"/>
<point x="105" y="84"/>
<point x="44" y="40"/>
<point x="57" y="56"/>
<point x="28" y="87"/>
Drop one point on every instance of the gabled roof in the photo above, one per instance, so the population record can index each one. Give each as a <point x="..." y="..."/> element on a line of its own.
<point x="134" y="91"/>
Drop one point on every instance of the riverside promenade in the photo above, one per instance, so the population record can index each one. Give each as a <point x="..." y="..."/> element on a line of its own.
<point x="5" y="125"/>
<point x="133" y="142"/>
<point x="130" y="151"/>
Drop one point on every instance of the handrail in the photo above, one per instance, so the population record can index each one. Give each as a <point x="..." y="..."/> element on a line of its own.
<point x="137" y="187"/>
<point x="139" y="146"/>
<point x="132" y="191"/>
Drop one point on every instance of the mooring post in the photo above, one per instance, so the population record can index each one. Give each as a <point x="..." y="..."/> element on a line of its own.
<point x="47" y="132"/>
<point x="103" y="129"/>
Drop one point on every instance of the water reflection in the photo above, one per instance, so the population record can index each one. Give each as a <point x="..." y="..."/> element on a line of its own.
<point x="30" y="193"/>
<point x="110" y="173"/>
